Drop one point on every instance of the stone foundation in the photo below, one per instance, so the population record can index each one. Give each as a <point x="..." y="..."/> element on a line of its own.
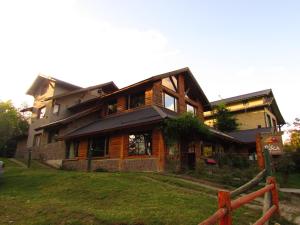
<point x="140" y="164"/>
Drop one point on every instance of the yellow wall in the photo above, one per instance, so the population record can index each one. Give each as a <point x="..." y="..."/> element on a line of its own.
<point x="247" y="116"/>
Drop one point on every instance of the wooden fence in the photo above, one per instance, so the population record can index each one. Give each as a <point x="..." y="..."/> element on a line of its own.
<point x="227" y="204"/>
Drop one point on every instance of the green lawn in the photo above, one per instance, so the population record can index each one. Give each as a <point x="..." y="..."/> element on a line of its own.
<point x="46" y="196"/>
<point x="292" y="182"/>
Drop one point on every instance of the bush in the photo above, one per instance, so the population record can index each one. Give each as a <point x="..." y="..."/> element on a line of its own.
<point x="234" y="160"/>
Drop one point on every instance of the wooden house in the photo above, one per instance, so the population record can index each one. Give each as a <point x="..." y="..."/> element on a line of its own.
<point x="104" y="127"/>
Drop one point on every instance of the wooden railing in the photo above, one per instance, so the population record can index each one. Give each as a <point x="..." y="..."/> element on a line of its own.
<point x="223" y="216"/>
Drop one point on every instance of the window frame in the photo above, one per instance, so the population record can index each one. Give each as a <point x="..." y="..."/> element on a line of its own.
<point x="35" y="138"/>
<point x="114" y="104"/>
<point x="106" y="146"/>
<point x="137" y="94"/>
<point x="175" y="102"/>
<point x="39" y="112"/>
<point x="76" y="144"/>
<point x="194" y="108"/>
<point x="58" y="105"/>
<point x="51" y="135"/>
<point x="148" y="151"/>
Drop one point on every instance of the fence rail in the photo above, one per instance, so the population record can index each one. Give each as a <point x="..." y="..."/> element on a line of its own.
<point x="226" y="205"/>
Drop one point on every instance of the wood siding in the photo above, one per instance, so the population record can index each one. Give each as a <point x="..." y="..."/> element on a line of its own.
<point x="83" y="149"/>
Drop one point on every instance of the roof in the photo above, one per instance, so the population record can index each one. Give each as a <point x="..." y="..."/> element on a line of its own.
<point x="257" y="94"/>
<point x="186" y="70"/>
<point x="242" y="97"/>
<point x="41" y="78"/>
<point x="141" y="116"/>
<point x="110" y="86"/>
<point x="69" y="119"/>
<point x="249" y="136"/>
<point x="223" y="135"/>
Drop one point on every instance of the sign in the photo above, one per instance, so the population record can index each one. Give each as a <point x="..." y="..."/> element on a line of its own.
<point x="272" y="142"/>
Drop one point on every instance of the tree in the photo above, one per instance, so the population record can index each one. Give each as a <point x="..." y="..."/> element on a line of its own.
<point x="225" y="121"/>
<point x="294" y="132"/>
<point x="12" y="125"/>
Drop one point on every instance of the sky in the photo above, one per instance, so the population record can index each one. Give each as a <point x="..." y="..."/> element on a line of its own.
<point x="231" y="47"/>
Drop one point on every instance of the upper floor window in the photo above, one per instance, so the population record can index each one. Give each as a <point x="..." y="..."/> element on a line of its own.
<point x="170" y="102"/>
<point x="136" y="100"/>
<point x="191" y="109"/>
<point x="140" y="144"/>
<point x="112" y="107"/>
<point x="171" y="83"/>
<point x="41" y="112"/>
<point x="56" y="108"/>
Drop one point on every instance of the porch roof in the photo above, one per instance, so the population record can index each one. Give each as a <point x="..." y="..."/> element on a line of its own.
<point x="249" y="136"/>
<point x="138" y="117"/>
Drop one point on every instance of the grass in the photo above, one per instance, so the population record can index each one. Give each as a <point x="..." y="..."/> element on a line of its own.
<point x="292" y="182"/>
<point x="46" y="196"/>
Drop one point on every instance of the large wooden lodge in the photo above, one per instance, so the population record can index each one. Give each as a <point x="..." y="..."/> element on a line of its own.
<point x="118" y="129"/>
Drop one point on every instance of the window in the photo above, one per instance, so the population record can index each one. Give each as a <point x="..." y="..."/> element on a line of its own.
<point x="170" y="102"/>
<point x="136" y="100"/>
<point x="112" y="107"/>
<point x="99" y="146"/>
<point x="52" y="136"/>
<point x="171" y="83"/>
<point x="191" y="109"/>
<point x="72" y="149"/>
<point x="173" y="148"/>
<point x="140" y="144"/>
<point x="56" y="108"/>
<point x="37" y="140"/>
<point x="42" y="112"/>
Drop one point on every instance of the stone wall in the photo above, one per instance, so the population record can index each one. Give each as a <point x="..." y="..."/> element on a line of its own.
<point x="138" y="164"/>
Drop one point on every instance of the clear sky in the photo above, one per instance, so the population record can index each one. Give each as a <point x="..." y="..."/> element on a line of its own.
<point x="232" y="47"/>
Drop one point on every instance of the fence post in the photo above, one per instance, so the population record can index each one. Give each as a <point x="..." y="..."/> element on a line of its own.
<point x="274" y="192"/>
<point x="225" y="202"/>
<point x="267" y="159"/>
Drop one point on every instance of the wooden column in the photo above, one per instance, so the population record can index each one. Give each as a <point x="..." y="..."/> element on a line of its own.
<point x="181" y="100"/>
<point x="259" y="152"/>
<point x="161" y="151"/>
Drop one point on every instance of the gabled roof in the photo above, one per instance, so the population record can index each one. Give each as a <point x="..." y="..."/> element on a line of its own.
<point x="109" y="86"/>
<point x="41" y="78"/>
<point x="264" y="93"/>
<point x="69" y="119"/>
<point x="242" y="97"/>
<point x="138" y="117"/>
<point x="185" y="70"/>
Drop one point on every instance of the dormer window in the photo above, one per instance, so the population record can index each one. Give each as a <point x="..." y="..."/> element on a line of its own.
<point x="171" y="83"/>
<point x="42" y="112"/>
<point x="136" y="100"/>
